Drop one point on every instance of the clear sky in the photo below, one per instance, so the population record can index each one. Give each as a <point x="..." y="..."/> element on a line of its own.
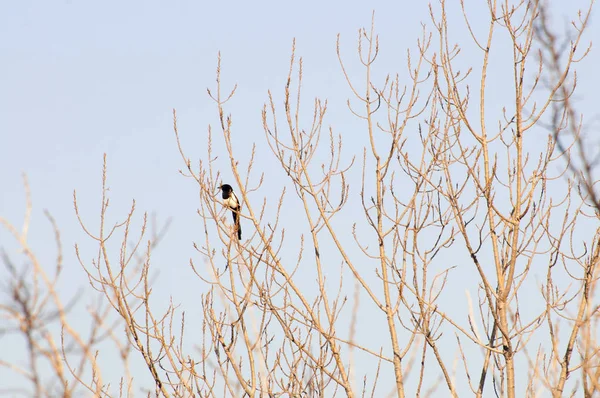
<point x="80" y="78"/>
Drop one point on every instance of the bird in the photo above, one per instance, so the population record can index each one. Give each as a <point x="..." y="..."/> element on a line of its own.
<point x="231" y="201"/>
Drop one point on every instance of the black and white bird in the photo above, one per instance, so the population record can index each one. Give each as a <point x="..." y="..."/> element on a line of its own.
<point x="232" y="202"/>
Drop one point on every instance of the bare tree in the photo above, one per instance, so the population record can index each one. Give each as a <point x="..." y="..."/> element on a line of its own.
<point x="451" y="184"/>
<point x="579" y="150"/>
<point x="57" y="353"/>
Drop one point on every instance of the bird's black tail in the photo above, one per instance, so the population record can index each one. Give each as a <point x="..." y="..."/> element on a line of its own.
<point x="236" y="222"/>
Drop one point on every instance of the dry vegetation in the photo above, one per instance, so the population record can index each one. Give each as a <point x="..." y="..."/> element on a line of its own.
<point x="506" y="196"/>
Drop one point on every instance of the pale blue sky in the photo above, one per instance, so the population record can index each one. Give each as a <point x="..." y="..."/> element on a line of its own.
<point x="81" y="78"/>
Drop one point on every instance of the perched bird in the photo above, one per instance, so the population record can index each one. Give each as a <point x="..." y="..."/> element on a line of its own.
<point x="232" y="202"/>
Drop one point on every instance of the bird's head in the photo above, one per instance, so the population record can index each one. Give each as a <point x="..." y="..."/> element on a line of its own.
<point x="226" y="190"/>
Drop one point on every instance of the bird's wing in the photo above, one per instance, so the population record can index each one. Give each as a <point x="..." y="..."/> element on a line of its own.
<point x="235" y="201"/>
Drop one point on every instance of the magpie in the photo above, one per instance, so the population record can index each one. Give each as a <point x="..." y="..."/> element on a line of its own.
<point x="232" y="202"/>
